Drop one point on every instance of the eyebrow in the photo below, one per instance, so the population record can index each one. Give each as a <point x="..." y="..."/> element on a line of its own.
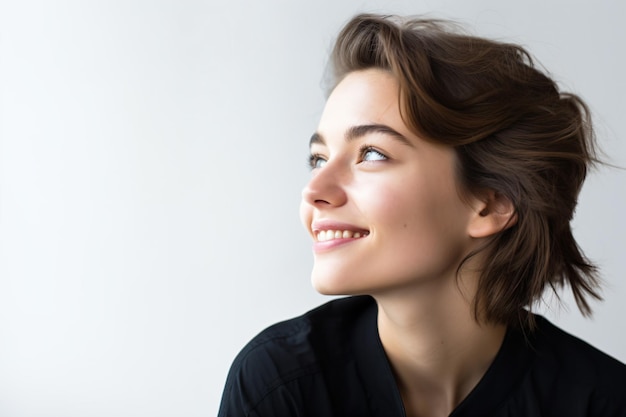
<point x="357" y="132"/>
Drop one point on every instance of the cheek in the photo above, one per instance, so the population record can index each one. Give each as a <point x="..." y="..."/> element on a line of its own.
<point x="432" y="212"/>
<point x="378" y="198"/>
<point x="394" y="205"/>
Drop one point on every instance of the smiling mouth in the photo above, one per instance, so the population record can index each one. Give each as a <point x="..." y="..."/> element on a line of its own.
<point x="325" y="235"/>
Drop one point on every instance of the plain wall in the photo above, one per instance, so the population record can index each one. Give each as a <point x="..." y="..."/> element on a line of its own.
<point x="152" y="158"/>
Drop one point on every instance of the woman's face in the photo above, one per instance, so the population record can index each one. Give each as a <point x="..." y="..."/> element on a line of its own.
<point x="382" y="204"/>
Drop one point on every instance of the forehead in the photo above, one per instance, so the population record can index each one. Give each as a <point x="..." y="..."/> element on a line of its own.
<point x="362" y="97"/>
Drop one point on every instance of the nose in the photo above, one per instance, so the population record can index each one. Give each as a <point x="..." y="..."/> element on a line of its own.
<point x="325" y="188"/>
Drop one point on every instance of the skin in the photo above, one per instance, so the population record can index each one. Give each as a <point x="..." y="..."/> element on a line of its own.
<point x="373" y="176"/>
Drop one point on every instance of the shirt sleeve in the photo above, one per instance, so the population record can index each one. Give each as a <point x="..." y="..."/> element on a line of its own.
<point x="249" y="393"/>
<point x="282" y="401"/>
<point x="275" y="375"/>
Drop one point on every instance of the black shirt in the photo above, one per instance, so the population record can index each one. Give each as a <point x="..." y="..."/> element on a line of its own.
<point x="330" y="362"/>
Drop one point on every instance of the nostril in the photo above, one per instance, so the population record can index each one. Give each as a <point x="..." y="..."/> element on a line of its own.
<point x="324" y="193"/>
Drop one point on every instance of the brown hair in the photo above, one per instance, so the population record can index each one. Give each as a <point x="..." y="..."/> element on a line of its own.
<point x="513" y="132"/>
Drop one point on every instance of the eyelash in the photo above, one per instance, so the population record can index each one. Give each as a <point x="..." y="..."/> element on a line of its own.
<point x="313" y="159"/>
<point x="367" y="148"/>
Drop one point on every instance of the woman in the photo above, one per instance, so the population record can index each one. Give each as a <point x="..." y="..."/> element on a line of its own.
<point x="445" y="172"/>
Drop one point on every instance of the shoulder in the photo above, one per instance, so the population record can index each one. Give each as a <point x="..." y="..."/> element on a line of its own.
<point x="286" y="355"/>
<point x="579" y="371"/>
<point x="568" y="350"/>
<point x="287" y="345"/>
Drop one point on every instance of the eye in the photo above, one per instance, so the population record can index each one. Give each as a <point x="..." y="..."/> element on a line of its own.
<point x="316" y="161"/>
<point x="370" y="154"/>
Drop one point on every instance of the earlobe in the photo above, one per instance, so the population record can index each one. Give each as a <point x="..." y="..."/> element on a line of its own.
<point x="493" y="214"/>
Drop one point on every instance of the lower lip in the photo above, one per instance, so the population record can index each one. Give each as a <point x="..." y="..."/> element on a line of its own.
<point x="319" y="247"/>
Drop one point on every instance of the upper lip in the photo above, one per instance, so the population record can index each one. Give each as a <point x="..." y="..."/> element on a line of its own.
<point x="320" y="225"/>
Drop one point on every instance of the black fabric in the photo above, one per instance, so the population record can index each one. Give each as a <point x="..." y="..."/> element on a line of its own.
<point x="330" y="362"/>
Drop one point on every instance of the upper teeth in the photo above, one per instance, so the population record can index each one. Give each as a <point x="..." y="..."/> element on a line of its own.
<point x="323" y="235"/>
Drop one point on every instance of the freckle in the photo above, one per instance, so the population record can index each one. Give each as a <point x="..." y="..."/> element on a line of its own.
<point x="405" y="225"/>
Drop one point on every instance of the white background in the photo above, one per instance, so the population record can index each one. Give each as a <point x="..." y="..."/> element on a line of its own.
<point x="152" y="157"/>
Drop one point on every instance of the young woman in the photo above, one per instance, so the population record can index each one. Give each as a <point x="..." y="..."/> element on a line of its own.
<point x="445" y="172"/>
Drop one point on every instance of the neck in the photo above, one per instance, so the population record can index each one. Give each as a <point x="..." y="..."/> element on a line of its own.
<point x="436" y="348"/>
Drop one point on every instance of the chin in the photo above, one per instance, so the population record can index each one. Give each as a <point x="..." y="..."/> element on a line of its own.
<point x="334" y="285"/>
<point x="323" y="288"/>
<point x="327" y="286"/>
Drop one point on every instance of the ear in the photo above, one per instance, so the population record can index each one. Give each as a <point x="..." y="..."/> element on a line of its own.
<point x="493" y="213"/>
